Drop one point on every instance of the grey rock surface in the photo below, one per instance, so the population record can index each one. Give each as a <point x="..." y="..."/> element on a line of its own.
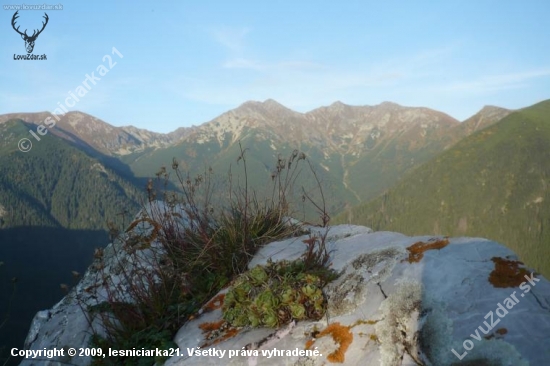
<point x="400" y="311"/>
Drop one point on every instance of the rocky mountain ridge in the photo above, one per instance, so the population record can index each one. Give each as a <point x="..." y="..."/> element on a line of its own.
<point x="339" y="127"/>
<point x="86" y="130"/>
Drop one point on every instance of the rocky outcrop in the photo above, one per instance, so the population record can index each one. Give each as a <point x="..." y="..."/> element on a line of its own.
<point x="403" y="301"/>
<point x="399" y="301"/>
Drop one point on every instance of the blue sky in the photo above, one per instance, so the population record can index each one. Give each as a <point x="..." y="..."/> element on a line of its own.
<point x="185" y="62"/>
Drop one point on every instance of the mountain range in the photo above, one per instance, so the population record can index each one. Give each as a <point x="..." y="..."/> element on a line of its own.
<point x="346" y="143"/>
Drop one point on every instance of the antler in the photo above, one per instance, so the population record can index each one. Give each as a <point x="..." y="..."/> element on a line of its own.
<point x="34" y="35"/>
<point x="15" y="16"/>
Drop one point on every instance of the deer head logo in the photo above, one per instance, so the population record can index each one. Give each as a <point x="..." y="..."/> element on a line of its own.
<point x="29" y="40"/>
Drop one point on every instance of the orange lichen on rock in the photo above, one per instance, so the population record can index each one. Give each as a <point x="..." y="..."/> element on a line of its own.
<point x="210" y="326"/>
<point x="507" y="273"/>
<point x="416" y="251"/>
<point x="229" y="333"/>
<point x="216" y="332"/>
<point x="341" y="335"/>
<point x="215" y="303"/>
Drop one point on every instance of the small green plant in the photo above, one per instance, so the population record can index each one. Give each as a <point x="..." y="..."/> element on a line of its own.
<point x="274" y="294"/>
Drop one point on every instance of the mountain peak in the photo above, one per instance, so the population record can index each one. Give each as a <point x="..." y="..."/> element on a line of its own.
<point x="272" y="103"/>
<point x="491" y="108"/>
<point x="269" y="105"/>
<point x="338" y="104"/>
<point x="266" y="103"/>
<point x="485" y="117"/>
<point x="387" y="104"/>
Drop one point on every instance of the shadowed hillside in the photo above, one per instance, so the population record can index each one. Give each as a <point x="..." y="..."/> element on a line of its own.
<point x="41" y="259"/>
